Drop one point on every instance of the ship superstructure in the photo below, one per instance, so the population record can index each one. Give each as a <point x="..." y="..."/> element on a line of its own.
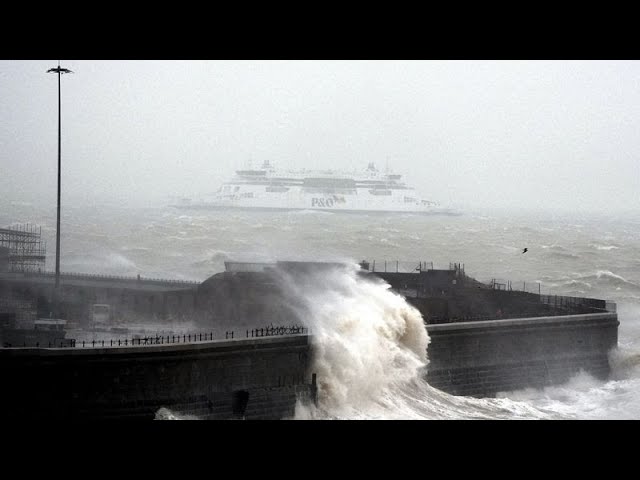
<point x="271" y="189"/>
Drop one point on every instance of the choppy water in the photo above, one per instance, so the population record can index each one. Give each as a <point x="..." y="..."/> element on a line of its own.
<point x="371" y="329"/>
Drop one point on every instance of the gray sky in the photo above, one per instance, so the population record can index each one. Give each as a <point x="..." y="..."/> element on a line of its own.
<point x="480" y="134"/>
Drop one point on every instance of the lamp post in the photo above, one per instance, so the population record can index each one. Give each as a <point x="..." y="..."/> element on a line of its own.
<point x="59" y="71"/>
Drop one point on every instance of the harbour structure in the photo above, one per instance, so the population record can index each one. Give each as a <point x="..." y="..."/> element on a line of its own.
<point x="491" y="338"/>
<point x="484" y="339"/>
<point x="259" y="378"/>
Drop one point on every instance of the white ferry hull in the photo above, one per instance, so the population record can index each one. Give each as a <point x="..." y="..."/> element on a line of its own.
<point x="339" y="209"/>
<point x="268" y="189"/>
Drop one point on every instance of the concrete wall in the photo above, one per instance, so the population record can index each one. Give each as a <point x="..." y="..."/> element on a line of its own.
<point x="483" y="358"/>
<point x="444" y="296"/>
<point x="130" y="299"/>
<point x="4" y="259"/>
<point x="134" y="382"/>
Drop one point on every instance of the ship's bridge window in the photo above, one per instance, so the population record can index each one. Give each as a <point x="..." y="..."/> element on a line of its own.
<point x="332" y="191"/>
<point x="322" y="182"/>
<point x="251" y="173"/>
<point x="246" y="195"/>
<point x="409" y="200"/>
<point x="276" y="188"/>
<point x="379" y="191"/>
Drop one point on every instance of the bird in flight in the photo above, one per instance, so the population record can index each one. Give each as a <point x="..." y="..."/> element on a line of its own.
<point x="525" y="250"/>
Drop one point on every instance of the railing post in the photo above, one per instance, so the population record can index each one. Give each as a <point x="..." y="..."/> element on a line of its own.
<point x="314" y="389"/>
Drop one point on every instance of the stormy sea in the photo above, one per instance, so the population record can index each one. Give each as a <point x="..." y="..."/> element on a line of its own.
<point x="372" y="349"/>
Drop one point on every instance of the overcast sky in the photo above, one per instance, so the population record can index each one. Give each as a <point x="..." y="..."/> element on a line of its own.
<point x="483" y="134"/>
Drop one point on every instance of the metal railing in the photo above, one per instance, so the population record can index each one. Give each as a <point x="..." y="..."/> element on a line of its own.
<point x="396" y="266"/>
<point x="433" y="320"/>
<point x="163" y="339"/>
<point x="271" y="331"/>
<point x="111" y="277"/>
<point x="558" y="306"/>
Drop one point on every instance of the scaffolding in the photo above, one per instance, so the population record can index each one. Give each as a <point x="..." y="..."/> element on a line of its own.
<point x="23" y="248"/>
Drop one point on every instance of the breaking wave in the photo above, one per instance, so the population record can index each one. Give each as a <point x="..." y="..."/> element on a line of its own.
<point x="367" y="339"/>
<point x="166" y="414"/>
<point x="604" y="247"/>
<point x="577" y="283"/>
<point x="108" y="263"/>
<point x="370" y="355"/>
<point x="607" y="278"/>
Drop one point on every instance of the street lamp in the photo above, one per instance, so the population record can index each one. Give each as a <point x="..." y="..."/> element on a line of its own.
<point x="59" y="71"/>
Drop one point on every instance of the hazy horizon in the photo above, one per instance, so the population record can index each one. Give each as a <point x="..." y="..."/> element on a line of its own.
<point x="508" y="135"/>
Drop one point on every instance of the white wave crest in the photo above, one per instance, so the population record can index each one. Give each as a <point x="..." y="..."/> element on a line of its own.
<point x="367" y="339"/>
<point x="166" y="414"/>
<point x="607" y="273"/>
<point x="370" y="355"/>
<point x="604" y="247"/>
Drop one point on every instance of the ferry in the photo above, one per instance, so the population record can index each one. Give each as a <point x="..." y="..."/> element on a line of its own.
<point x="267" y="188"/>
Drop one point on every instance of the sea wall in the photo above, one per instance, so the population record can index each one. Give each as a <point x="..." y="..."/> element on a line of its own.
<point x="483" y="358"/>
<point x="129" y="298"/>
<point x="258" y="378"/>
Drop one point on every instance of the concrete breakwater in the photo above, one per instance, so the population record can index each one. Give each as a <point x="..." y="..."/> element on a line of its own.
<point x="263" y="377"/>
<point x="483" y="358"/>
<point x="515" y="340"/>
<point x="259" y="378"/>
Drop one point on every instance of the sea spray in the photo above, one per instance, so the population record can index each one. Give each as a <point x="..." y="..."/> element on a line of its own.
<point x="370" y="353"/>
<point x="367" y="339"/>
<point x="164" y="413"/>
